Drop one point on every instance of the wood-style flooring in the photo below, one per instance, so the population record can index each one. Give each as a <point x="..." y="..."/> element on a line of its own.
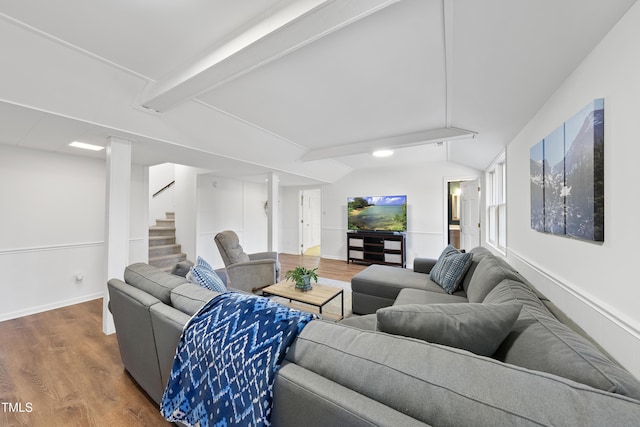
<point x="331" y="269"/>
<point x="57" y="368"/>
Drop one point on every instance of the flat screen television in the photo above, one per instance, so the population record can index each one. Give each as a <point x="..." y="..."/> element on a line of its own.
<point x="377" y="213"/>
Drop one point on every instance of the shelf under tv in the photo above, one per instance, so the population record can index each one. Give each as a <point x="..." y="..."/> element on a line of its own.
<point x="373" y="247"/>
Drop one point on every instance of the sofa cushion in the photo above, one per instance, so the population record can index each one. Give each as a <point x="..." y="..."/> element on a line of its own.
<point x="539" y="341"/>
<point x="440" y="385"/>
<point x="386" y="281"/>
<point x="152" y="280"/>
<point x="477" y="254"/>
<point x="366" y="322"/>
<point x="489" y="272"/>
<point x="190" y="297"/>
<point x="205" y="276"/>
<point x="450" y="269"/>
<point x="478" y="328"/>
<point x="417" y="296"/>
<point x="182" y="268"/>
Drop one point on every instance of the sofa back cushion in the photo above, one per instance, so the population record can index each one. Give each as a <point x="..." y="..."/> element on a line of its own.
<point x="182" y="268"/>
<point x="477" y="254"/>
<point x="152" y="280"/>
<point x="541" y="342"/>
<point x="488" y="273"/>
<point x="190" y="297"/>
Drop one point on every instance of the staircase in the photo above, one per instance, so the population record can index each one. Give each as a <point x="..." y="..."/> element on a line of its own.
<point x="164" y="253"/>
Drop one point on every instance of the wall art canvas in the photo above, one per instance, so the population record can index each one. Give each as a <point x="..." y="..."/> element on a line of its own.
<point x="554" y="182"/>
<point x="567" y="177"/>
<point x="536" y="166"/>
<point x="584" y="173"/>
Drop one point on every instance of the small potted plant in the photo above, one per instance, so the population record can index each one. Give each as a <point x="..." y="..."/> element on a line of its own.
<point x="302" y="277"/>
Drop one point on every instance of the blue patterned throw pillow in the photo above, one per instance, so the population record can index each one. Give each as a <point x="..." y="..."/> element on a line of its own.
<point x="450" y="268"/>
<point x="207" y="277"/>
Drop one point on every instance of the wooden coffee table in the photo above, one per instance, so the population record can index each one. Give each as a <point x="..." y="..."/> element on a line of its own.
<point x="318" y="296"/>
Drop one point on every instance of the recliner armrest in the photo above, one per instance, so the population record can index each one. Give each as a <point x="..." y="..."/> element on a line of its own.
<point x="263" y="255"/>
<point x="253" y="275"/>
<point x="423" y="265"/>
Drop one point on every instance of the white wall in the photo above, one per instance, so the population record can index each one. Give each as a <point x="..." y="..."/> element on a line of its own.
<point x="424" y="185"/>
<point x="52" y="227"/>
<point x="229" y="204"/>
<point x="595" y="284"/>
<point x="159" y="177"/>
<point x="254" y="216"/>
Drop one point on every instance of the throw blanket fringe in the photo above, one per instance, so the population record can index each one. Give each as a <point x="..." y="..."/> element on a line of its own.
<point x="226" y="361"/>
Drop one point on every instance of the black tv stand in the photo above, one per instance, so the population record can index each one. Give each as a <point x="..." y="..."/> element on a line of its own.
<point x="374" y="247"/>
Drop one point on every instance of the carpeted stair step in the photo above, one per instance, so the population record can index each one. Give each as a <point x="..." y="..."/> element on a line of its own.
<point x="162" y="231"/>
<point x="165" y="223"/>
<point x="160" y="250"/>
<point x="164" y="253"/>
<point x="161" y="241"/>
<point x="167" y="260"/>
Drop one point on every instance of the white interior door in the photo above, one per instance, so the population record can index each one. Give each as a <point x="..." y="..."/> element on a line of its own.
<point x="469" y="214"/>
<point x="311" y="218"/>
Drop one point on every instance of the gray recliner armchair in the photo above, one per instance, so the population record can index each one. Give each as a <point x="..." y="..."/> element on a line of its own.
<point x="247" y="272"/>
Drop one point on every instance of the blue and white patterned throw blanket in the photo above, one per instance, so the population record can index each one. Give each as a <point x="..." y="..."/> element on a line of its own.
<point x="226" y="361"/>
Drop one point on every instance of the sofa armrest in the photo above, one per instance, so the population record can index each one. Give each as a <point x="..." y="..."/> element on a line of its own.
<point x="305" y="398"/>
<point x="134" y="331"/>
<point x="423" y="265"/>
<point x="167" y="329"/>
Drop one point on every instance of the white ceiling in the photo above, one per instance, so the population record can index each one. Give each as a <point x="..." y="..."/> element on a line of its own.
<point x="254" y="87"/>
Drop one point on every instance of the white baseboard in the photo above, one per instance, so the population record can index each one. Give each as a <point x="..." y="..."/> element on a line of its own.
<point x="334" y="257"/>
<point x="51" y="306"/>
<point x="63" y="247"/>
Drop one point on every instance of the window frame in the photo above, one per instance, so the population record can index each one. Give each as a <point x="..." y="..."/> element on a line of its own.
<point x="496" y="204"/>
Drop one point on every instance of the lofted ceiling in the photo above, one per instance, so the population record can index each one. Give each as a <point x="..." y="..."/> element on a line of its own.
<point x="305" y="88"/>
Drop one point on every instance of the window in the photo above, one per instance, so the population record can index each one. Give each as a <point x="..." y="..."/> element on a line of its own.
<point x="497" y="204"/>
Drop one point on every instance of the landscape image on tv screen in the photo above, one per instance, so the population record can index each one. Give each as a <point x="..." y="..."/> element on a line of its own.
<point x="377" y="213"/>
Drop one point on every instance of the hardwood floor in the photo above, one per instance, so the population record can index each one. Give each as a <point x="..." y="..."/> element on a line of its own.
<point x="62" y="367"/>
<point x="329" y="268"/>
<point x="57" y="368"/>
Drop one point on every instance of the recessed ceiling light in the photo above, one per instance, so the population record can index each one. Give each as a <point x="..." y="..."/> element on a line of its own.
<point x="86" y="146"/>
<point x="383" y="153"/>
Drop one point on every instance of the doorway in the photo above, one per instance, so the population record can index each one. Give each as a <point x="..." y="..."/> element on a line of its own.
<point x="311" y="221"/>
<point x="463" y="214"/>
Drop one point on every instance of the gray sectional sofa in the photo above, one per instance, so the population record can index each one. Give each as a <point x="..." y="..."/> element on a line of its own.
<point x="349" y="374"/>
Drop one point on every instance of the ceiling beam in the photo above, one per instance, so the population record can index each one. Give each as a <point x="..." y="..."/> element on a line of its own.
<point x="398" y="141"/>
<point x="285" y="31"/>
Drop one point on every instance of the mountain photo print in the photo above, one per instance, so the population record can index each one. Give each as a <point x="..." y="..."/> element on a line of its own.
<point x="536" y="166"/>
<point x="584" y="173"/>
<point x="567" y="177"/>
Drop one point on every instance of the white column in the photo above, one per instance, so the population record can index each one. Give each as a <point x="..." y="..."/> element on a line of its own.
<point x="186" y="208"/>
<point x="273" y="196"/>
<point x="116" y="218"/>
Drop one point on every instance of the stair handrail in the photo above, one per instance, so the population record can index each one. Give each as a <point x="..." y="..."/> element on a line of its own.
<point x="164" y="188"/>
